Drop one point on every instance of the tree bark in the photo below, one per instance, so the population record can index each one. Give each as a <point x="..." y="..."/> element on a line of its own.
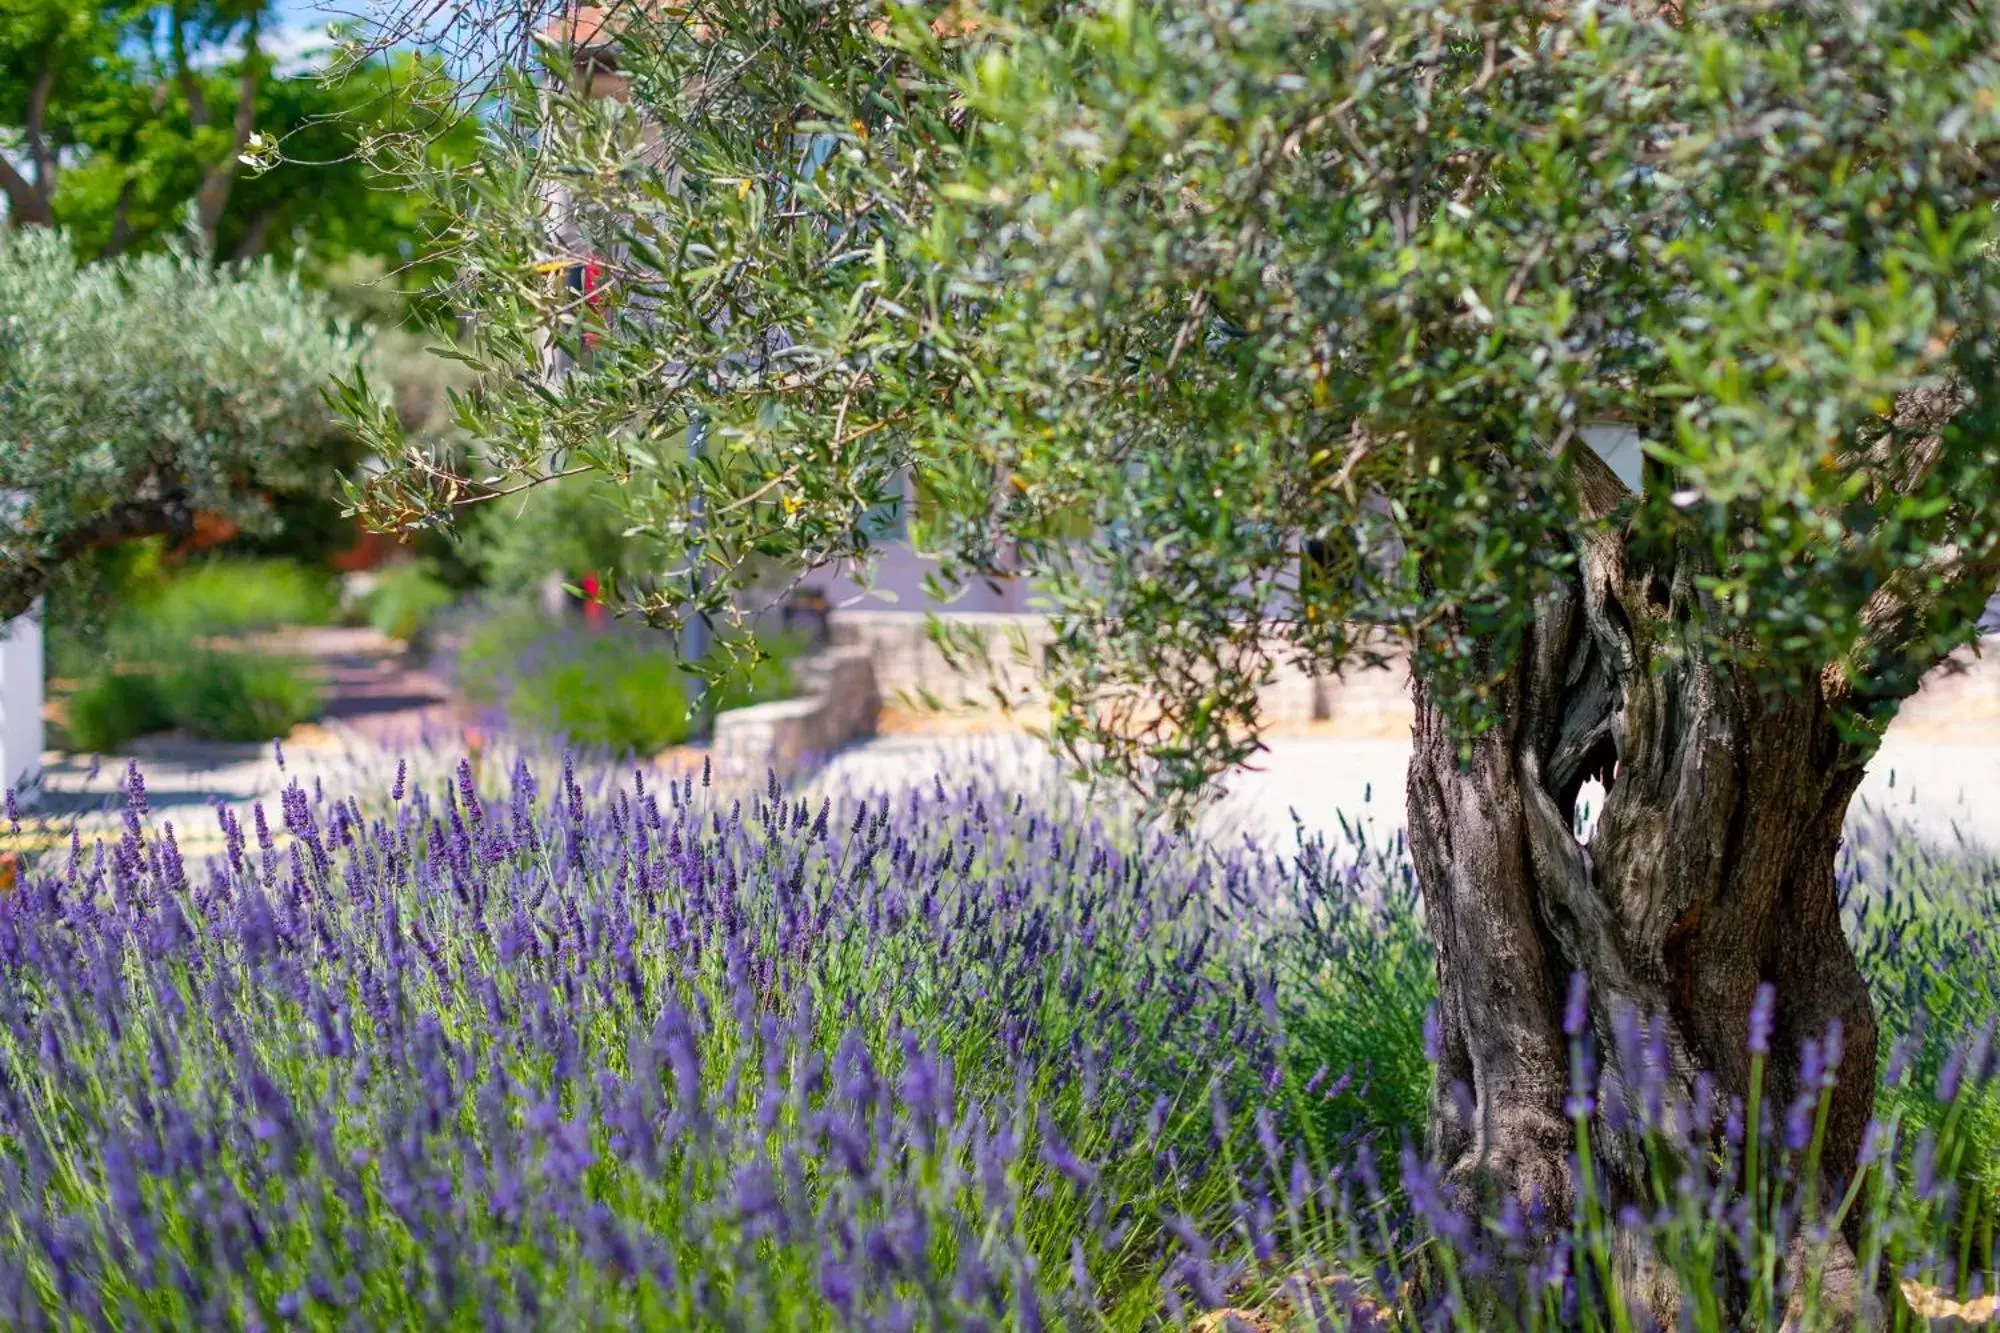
<point x="31" y="203"/>
<point x="121" y="219"/>
<point x="256" y="234"/>
<point x="1710" y="872"/>
<point x="25" y="205"/>
<point x="212" y="196"/>
<point x="160" y="510"/>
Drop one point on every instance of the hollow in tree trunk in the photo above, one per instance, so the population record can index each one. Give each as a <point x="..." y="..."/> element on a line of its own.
<point x="1710" y="871"/>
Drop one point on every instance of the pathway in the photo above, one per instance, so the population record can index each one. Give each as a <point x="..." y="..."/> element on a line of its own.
<point x="1939" y="771"/>
<point x="376" y="704"/>
<point x="1946" y="790"/>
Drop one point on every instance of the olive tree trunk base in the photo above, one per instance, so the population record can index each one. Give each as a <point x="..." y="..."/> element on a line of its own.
<point x="1709" y="873"/>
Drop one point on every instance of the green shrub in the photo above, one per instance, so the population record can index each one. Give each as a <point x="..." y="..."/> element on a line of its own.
<point x="127" y="604"/>
<point x="488" y="657"/>
<point x="113" y="706"/>
<point x="616" y="687"/>
<point x="406" y="599"/>
<point x="623" y="701"/>
<point x="223" y="696"/>
<point x="88" y="597"/>
<point x="218" y="597"/>
<point x="212" y="696"/>
<point x="239" y="696"/>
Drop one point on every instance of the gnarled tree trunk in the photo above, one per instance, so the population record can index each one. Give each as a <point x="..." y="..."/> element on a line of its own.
<point x="1711" y="870"/>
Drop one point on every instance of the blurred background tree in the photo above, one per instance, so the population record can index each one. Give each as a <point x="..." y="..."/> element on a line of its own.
<point x="567" y="530"/>
<point x="147" y="394"/>
<point x="131" y="123"/>
<point x="138" y="129"/>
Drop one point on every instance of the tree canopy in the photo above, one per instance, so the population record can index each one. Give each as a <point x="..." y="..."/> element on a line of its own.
<point x="1249" y="330"/>
<point x="133" y="119"/>
<point x="1238" y="327"/>
<point x="144" y="137"/>
<point x="140" y="392"/>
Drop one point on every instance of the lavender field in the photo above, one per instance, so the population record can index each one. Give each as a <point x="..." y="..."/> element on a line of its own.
<point x="565" y="1051"/>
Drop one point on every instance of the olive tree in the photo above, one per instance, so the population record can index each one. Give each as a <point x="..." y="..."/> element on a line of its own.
<point x="1255" y="330"/>
<point x="139" y="393"/>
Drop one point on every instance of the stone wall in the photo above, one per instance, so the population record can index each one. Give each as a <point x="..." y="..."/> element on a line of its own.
<point x="913" y="671"/>
<point x="838" y="702"/>
<point x="1960" y="699"/>
<point x="909" y="664"/>
<point x="1366" y="701"/>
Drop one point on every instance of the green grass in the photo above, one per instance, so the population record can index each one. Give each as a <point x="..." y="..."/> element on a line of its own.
<point x="1361" y="975"/>
<point x="215" y="598"/>
<point x="627" y="703"/>
<point x="406" y="599"/>
<point x="1927" y="943"/>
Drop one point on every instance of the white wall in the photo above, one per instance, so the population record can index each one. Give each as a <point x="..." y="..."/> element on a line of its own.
<point x="20" y="702"/>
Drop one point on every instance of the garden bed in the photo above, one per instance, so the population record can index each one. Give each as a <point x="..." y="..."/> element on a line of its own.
<point x="555" y="1047"/>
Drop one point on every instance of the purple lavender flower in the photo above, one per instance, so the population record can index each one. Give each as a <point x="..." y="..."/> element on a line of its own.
<point x="1952" y="1075"/>
<point x="468" y="792"/>
<point x="564" y="1023"/>
<point x="1979" y="1056"/>
<point x="836" y="1283"/>
<point x="1761" y="1010"/>
<point x="756" y="1198"/>
<point x="1576" y="1010"/>
<point x="1799" y="1122"/>
<point x="1924" y="1164"/>
<point x="1876" y="1142"/>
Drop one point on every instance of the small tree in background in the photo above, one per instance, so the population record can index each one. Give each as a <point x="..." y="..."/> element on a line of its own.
<point x="139" y="393"/>
<point x="129" y="121"/>
<point x="1250" y="330"/>
<point x="137" y="128"/>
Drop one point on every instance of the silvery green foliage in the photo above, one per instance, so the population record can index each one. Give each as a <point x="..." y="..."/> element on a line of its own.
<point x="137" y="393"/>
<point x="1155" y="300"/>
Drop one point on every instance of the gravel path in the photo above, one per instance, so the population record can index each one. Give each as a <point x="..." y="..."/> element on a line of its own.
<point x="1947" y="792"/>
<point x="377" y="704"/>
